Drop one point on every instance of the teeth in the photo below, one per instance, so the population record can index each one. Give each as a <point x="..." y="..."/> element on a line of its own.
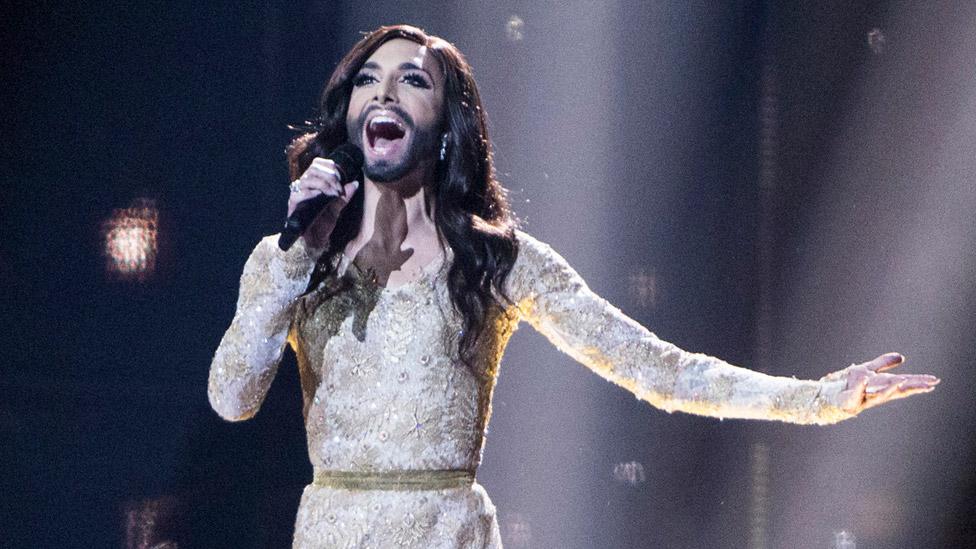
<point x="384" y="118"/>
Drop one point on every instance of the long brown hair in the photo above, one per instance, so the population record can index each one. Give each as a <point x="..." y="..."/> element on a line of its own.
<point x="472" y="213"/>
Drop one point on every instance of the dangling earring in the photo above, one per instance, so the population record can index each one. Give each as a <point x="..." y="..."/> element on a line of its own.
<point x="443" y="146"/>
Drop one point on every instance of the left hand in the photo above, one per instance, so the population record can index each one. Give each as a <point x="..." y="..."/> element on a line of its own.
<point x="867" y="387"/>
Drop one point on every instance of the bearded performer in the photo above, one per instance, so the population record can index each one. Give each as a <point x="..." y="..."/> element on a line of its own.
<point x="401" y="297"/>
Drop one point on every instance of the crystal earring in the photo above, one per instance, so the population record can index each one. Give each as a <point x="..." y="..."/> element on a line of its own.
<point x="443" y="146"/>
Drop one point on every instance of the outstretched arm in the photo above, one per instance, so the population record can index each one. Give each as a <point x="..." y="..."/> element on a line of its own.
<point x="556" y="301"/>
<point x="247" y="358"/>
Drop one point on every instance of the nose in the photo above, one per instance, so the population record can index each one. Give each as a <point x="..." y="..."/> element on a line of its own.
<point x="386" y="91"/>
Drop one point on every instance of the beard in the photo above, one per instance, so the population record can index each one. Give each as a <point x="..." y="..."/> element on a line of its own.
<point x="423" y="145"/>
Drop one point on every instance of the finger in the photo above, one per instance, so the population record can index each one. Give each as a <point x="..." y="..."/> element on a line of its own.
<point x="325" y="168"/>
<point x="349" y="189"/>
<point x="872" y="400"/>
<point x="875" y="387"/>
<point x="858" y="377"/>
<point x="907" y="392"/>
<point x="312" y="186"/>
<point x="886" y="361"/>
<point x="926" y="378"/>
<point x="334" y="208"/>
<point x="852" y="398"/>
<point x="332" y="178"/>
<point x="917" y="384"/>
<point x="324" y="174"/>
<point x="322" y="161"/>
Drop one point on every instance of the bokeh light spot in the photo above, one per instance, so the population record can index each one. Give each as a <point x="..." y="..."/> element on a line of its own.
<point x="876" y="40"/>
<point x="515" y="28"/>
<point x="643" y="288"/>
<point x="515" y="530"/>
<point x="631" y="472"/>
<point x="131" y="240"/>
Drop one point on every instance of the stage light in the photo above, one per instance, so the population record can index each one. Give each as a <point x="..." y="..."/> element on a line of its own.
<point x="631" y="472"/>
<point x="154" y="523"/>
<point x="876" y="40"/>
<point x="843" y="540"/>
<point x="131" y="240"/>
<point x="643" y="288"/>
<point x="515" y="530"/>
<point x="514" y="28"/>
<point x="759" y="509"/>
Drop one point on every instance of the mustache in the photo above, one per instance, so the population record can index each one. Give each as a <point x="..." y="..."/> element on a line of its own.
<point x="407" y="119"/>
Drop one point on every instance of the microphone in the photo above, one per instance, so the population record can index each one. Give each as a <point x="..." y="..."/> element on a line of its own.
<point x="349" y="162"/>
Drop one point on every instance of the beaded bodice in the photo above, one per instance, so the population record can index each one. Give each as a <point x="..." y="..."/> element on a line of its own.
<point x="383" y="384"/>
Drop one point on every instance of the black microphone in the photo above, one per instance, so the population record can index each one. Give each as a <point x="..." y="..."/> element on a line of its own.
<point x="349" y="161"/>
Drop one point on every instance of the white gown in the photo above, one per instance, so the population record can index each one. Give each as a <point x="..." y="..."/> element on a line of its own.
<point x="396" y="422"/>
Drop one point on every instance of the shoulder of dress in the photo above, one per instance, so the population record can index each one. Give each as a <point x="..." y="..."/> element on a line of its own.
<point x="263" y="250"/>
<point x="522" y="236"/>
<point x="533" y="251"/>
<point x="530" y="243"/>
<point x="267" y="249"/>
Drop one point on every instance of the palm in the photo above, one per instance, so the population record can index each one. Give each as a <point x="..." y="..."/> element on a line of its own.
<point x="868" y="387"/>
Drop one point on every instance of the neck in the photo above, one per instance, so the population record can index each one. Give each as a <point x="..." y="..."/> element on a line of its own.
<point x="397" y="214"/>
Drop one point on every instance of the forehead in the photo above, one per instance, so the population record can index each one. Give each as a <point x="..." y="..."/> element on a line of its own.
<point x="394" y="53"/>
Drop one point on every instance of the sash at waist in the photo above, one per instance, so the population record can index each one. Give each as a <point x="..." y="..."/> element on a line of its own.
<point x="433" y="479"/>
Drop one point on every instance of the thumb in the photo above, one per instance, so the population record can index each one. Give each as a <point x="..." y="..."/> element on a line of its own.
<point x="852" y="395"/>
<point x="349" y="189"/>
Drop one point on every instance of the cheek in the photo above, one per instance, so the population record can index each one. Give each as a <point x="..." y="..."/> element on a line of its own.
<point x="438" y="108"/>
<point x="355" y="106"/>
<point x="433" y="112"/>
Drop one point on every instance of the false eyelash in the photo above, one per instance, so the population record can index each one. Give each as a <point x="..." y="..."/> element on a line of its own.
<point x="417" y="80"/>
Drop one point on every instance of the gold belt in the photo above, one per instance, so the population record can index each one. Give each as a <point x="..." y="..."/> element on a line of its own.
<point x="434" y="479"/>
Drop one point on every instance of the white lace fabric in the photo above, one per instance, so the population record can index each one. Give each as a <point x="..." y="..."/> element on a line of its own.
<point x="384" y="389"/>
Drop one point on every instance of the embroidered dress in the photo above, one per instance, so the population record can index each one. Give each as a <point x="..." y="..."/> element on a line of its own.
<point x="395" y="421"/>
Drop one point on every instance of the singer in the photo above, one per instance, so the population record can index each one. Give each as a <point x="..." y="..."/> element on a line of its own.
<point x="401" y="296"/>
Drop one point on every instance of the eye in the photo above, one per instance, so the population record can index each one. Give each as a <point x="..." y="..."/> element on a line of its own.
<point x="363" y="79"/>
<point x="416" y="80"/>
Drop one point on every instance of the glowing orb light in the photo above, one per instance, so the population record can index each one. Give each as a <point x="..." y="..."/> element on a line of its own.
<point x="643" y="288"/>
<point x="515" y="28"/>
<point x="631" y="472"/>
<point x="876" y="40"/>
<point x="131" y="240"/>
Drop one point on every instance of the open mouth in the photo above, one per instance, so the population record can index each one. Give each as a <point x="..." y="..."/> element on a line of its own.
<point x="383" y="132"/>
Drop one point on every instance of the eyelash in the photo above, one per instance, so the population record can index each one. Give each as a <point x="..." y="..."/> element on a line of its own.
<point x="415" y="79"/>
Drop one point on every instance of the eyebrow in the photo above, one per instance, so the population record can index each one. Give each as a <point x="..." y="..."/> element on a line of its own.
<point x="403" y="66"/>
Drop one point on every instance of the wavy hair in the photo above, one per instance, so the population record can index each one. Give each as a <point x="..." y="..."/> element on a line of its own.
<point x="472" y="213"/>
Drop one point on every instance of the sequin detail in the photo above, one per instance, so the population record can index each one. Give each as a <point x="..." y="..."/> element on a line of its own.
<point x="384" y="389"/>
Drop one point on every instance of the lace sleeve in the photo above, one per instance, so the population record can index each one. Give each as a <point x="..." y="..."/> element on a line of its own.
<point x="556" y="301"/>
<point x="247" y="358"/>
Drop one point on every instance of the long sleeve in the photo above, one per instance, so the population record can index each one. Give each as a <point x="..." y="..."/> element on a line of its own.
<point x="556" y="301"/>
<point x="247" y="358"/>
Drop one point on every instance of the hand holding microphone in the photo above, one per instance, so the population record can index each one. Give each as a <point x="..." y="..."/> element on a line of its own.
<point x="318" y="196"/>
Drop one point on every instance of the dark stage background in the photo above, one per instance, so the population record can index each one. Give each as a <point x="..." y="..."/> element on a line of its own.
<point x="786" y="185"/>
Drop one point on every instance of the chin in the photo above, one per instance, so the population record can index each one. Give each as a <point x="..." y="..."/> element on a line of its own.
<point x="383" y="172"/>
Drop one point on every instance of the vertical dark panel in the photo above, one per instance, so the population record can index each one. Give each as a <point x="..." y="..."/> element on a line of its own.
<point x="105" y="381"/>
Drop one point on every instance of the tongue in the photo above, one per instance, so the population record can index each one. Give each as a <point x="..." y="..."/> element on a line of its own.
<point x="383" y="143"/>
